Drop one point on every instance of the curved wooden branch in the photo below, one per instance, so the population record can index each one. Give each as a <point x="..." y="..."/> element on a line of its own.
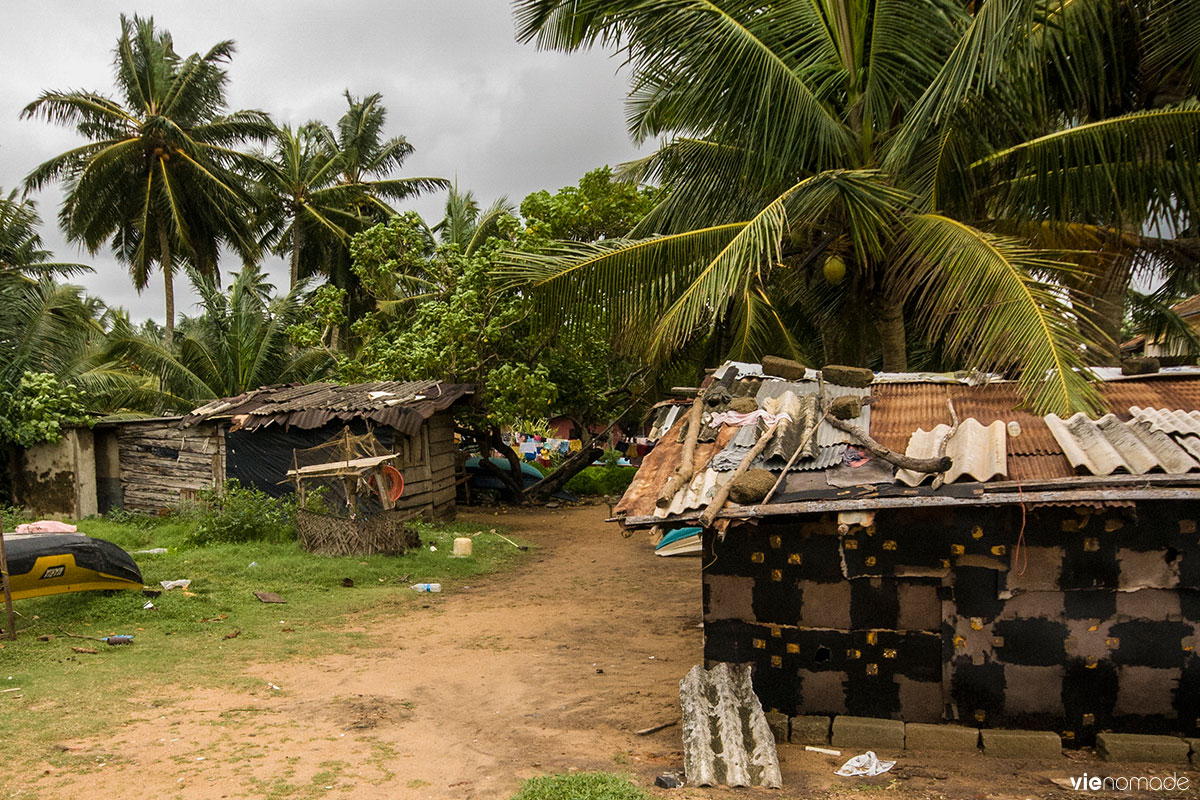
<point x="687" y="462"/>
<point x="930" y="465"/>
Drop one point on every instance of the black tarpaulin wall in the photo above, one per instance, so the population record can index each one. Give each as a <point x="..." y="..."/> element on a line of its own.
<point x="261" y="458"/>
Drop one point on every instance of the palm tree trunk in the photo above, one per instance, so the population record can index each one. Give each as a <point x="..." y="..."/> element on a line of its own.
<point x="295" y="253"/>
<point x="164" y="245"/>
<point x="892" y="339"/>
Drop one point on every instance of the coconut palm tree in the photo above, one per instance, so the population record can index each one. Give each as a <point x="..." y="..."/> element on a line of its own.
<point x="466" y="224"/>
<point x="160" y="176"/>
<point x="23" y="256"/>
<point x="984" y="173"/>
<point x="239" y="342"/>
<point x="307" y="214"/>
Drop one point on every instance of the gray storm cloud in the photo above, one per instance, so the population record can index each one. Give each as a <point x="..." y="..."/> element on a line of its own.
<point x="498" y="116"/>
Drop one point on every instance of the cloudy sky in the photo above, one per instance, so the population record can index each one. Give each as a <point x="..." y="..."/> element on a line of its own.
<point x="500" y="117"/>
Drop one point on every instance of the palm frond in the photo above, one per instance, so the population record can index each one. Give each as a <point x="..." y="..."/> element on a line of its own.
<point x="978" y="296"/>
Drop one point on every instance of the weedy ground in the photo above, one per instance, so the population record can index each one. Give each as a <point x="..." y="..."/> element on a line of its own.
<point x="205" y="637"/>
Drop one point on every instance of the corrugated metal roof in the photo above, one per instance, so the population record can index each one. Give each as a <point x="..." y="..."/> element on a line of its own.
<point x="726" y="738"/>
<point x="826" y="434"/>
<point x="399" y="405"/>
<point x="1108" y="445"/>
<point x="976" y="451"/>
<point x="639" y="499"/>
<point x="696" y="494"/>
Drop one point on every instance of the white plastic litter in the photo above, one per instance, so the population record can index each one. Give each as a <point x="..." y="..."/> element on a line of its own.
<point x="180" y="584"/>
<point x="866" y="765"/>
<point x="153" y="551"/>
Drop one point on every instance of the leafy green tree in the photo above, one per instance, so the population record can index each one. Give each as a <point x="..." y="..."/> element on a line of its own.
<point x="39" y="409"/>
<point x="161" y="176"/>
<point x="600" y="207"/>
<point x="860" y="173"/>
<point x="461" y="325"/>
<point x="240" y="342"/>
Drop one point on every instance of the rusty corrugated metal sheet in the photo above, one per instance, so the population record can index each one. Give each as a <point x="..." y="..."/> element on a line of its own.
<point x="976" y="451"/>
<point x="399" y="405"/>
<point x="657" y="466"/>
<point x="726" y="738"/>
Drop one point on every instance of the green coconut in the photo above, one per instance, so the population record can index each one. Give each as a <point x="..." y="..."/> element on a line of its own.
<point x="835" y="269"/>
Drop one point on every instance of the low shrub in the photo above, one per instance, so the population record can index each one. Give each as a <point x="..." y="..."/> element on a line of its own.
<point x="237" y="514"/>
<point x="594" y="480"/>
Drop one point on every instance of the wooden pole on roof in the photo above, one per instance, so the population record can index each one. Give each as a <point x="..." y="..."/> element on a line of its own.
<point x="8" y="601"/>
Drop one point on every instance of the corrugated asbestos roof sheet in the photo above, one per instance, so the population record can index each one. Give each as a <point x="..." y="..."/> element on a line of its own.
<point x="726" y="738"/>
<point x="402" y="406"/>
<point x="977" y="451"/>
<point x="1108" y="445"/>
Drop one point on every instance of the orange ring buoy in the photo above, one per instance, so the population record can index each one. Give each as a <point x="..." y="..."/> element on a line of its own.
<point x="395" y="482"/>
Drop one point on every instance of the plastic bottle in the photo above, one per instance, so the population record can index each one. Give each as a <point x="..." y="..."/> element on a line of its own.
<point x="427" y="587"/>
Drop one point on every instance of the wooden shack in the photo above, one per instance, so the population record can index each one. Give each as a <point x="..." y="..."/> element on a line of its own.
<point x="153" y="465"/>
<point x="1050" y="579"/>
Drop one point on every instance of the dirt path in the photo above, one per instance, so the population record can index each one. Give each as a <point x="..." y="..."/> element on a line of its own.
<point x="545" y="669"/>
<point x="549" y="668"/>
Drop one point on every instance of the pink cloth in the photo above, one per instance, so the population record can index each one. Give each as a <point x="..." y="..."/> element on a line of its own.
<point x="46" y="526"/>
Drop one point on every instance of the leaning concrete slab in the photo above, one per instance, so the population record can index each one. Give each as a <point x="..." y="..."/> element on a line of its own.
<point x="1042" y="745"/>
<point x="868" y="732"/>
<point x="921" y="736"/>
<point x="807" y="729"/>
<point x="1142" y="747"/>
<point x="726" y="738"/>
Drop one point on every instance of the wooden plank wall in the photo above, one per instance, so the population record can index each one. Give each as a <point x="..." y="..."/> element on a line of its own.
<point x="427" y="463"/>
<point x="162" y="465"/>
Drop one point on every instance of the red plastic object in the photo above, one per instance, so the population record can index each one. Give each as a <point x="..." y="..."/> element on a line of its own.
<point x="395" y="482"/>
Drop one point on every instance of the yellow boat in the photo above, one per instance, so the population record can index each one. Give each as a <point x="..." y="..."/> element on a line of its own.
<point x="54" y="563"/>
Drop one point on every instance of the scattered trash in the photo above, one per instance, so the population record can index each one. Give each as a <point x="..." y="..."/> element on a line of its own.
<point x="462" y="547"/>
<point x="119" y="639"/>
<point x="433" y="548"/>
<point x="273" y="687"/>
<point x="218" y="618"/>
<point x="426" y="587"/>
<point x="349" y="582"/>
<point x="153" y="551"/>
<point x="252" y="565"/>
<point x="149" y="606"/>
<point x="46" y="526"/>
<point x="88" y="650"/>
<point x="866" y="765"/>
<point x="599" y="671"/>
<point x="179" y="584"/>
<point x="668" y="780"/>
<point x="269" y="597"/>
<point x="46" y="637"/>
<point x="233" y="634"/>
<point x="186" y="593"/>
<point x="654" y="728"/>
<point x="14" y="689"/>
<point x="827" y="751"/>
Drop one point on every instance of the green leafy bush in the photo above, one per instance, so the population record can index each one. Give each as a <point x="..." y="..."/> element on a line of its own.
<point x="580" y="786"/>
<point x="601" y="480"/>
<point x="237" y="514"/>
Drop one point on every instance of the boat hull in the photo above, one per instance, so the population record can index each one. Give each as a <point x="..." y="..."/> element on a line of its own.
<point x="41" y="564"/>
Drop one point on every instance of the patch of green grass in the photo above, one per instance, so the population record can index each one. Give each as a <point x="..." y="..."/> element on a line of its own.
<point x="613" y="480"/>
<point x="580" y="786"/>
<point x="186" y="641"/>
